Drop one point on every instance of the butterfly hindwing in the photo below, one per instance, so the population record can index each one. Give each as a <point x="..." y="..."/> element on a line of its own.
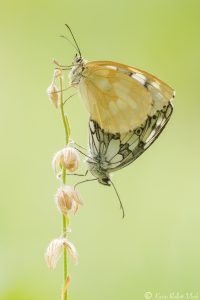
<point x="115" y="151"/>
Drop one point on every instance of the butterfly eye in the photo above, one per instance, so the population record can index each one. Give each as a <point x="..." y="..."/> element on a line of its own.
<point x="78" y="59"/>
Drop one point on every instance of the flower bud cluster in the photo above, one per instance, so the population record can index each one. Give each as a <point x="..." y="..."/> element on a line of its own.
<point x="67" y="198"/>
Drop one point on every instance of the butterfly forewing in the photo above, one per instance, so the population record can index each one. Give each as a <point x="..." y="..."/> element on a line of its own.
<point x="120" y="98"/>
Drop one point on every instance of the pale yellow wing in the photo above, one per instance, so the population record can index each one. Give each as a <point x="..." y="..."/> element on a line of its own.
<point x="120" y="98"/>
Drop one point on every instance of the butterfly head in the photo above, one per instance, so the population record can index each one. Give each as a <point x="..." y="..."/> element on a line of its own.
<point x="76" y="71"/>
<point x="104" y="181"/>
<point x="96" y="170"/>
<point x="77" y="59"/>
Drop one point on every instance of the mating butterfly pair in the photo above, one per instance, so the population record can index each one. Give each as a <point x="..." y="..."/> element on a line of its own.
<point x="128" y="110"/>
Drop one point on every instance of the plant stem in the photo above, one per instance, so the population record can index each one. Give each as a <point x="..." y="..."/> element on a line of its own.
<point x="65" y="123"/>
<point x="65" y="223"/>
<point x="65" y="219"/>
<point x="65" y="252"/>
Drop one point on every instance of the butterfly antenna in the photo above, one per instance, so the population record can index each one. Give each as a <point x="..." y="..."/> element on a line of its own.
<point x="120" y="202"/>
<point x="64" y="37"/>
<point x="79" y="51"/>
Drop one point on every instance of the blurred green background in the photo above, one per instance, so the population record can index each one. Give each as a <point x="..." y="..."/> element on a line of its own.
<point x="156" y="248"/>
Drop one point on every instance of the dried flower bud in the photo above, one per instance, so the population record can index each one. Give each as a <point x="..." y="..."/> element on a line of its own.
<point x="57" y="74"/>
<point x="66" y="284"/>
<point x="53" y="253"/>
<point x="67" y="158"/>
<point x="71" y="249"/>
<point x="52" y="92"/>
<point x="57" y="161"/>
<point x="55" y="249"/>
<point x="71" y="159"/>
<point x="67" y="198"/>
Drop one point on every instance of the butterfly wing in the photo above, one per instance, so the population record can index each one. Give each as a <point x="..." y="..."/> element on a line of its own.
<point x="115" y="151"/>
<point x="120" y="98"/>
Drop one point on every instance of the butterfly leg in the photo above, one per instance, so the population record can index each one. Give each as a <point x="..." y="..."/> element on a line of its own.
<point x="82" y="153"/>
<point x="61" y="66"/>
<point x="69" y="98"/>
<point x="74" y="174"/>
<point x="87" y="180"/>
<point x="83" y="175"/>
<point x="80" y="146"/>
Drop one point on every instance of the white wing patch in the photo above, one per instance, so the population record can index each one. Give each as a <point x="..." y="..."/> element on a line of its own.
<point x="140" y="78"/>
<point x="112" y="149"/>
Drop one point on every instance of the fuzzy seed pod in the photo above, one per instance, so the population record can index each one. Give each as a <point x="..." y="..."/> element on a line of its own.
<point x="67" y="198"/>
<point x="55" y="249"/>
<point x="67" y="158"/>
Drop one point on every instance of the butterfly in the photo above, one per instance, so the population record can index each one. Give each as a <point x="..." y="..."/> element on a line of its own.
<point x="119" y="98"/>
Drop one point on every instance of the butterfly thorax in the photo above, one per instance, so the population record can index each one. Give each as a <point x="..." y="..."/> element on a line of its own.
<point x="76" y="71"/>
<point x="97" y="171"/>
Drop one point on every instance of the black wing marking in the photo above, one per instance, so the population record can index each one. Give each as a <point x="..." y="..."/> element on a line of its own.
<point x="99" y="140"/>
<point x="115" y="151"/>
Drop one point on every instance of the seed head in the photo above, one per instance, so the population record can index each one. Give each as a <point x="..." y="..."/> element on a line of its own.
<point x="55" y="249"/>
<point x="67" y="198"/>
<point x="57" y="74"/>
<point x="67" y="158"/>
<point x="52" y="92"/>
